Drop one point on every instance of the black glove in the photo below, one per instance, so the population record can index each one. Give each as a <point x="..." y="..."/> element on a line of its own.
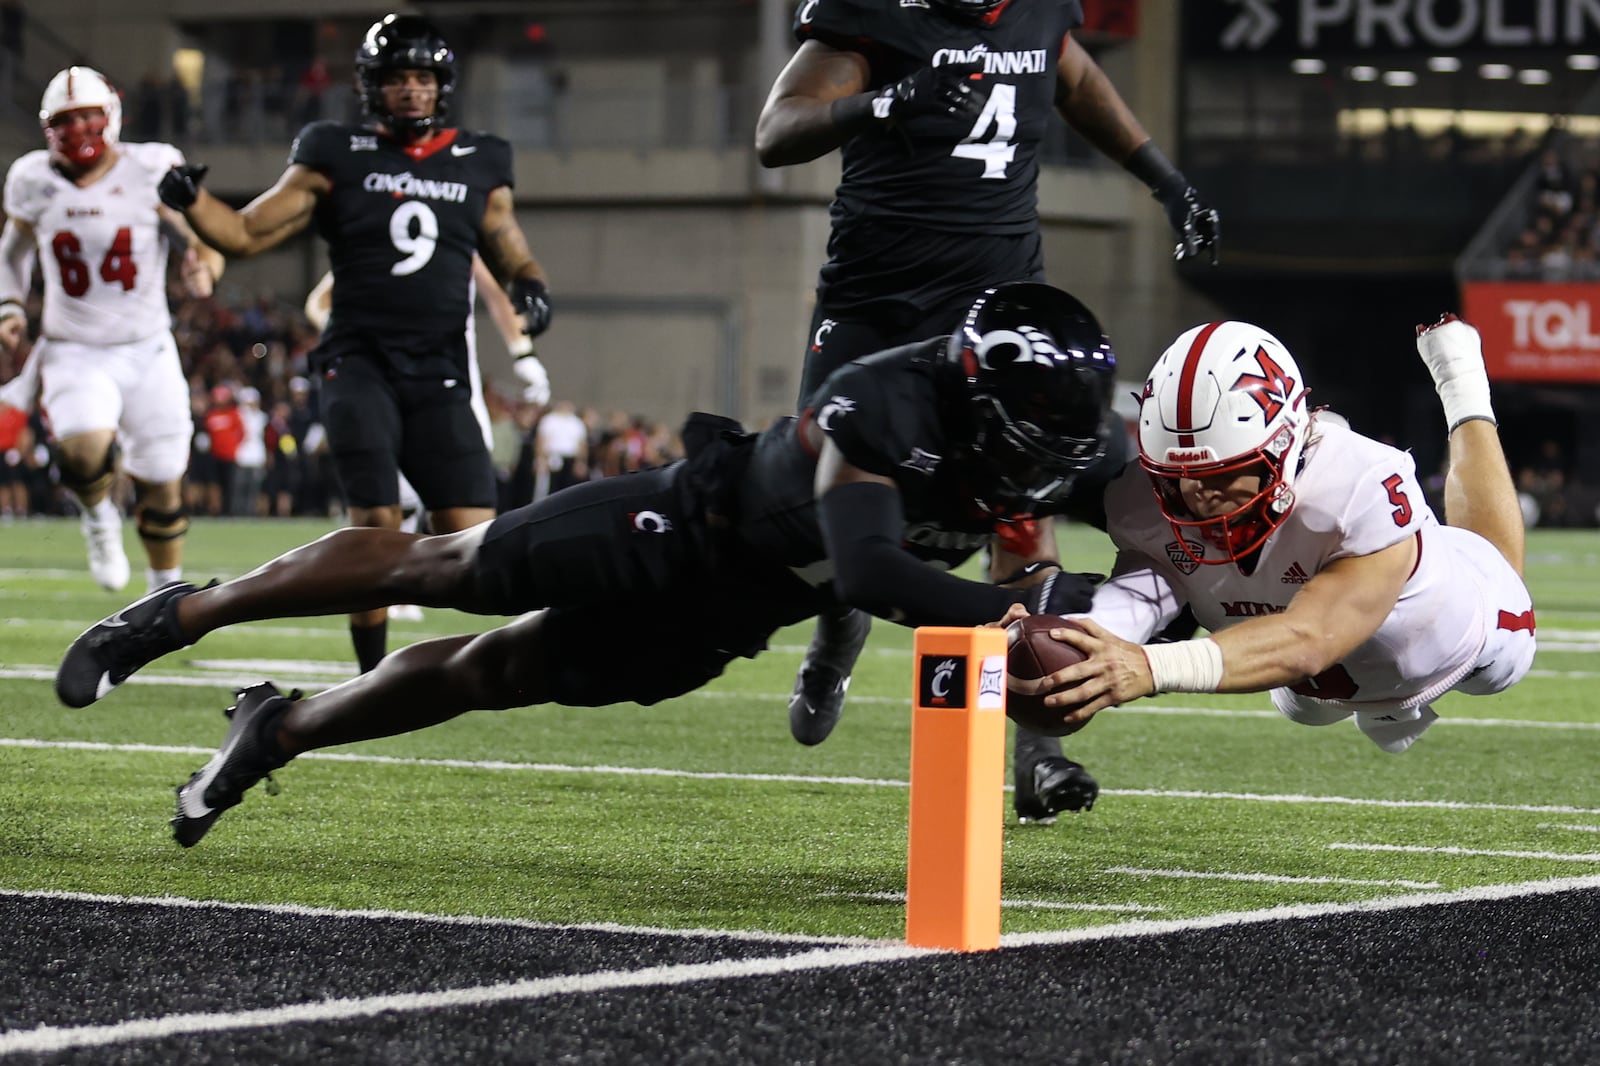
<point x="179" y="187"/>
<point x="531" y="298"/>
<point x="1063" y="593"/>
<point x="1197" y="224"/>
<point x="943" y="90"/>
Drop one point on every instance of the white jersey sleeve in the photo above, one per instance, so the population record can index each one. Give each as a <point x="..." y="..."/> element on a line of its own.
<point x="101" y="247"/>
<point x="26" y="185"/>
<point x="1136" y="602"/>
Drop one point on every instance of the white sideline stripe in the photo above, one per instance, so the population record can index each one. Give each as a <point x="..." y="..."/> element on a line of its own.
<point x="806" y="779"/>
<point x="1275" y="879"/>
<point x="51" y="1038"/>
<point x="340" y="672"/>
<point x="298" y="910"/>
<point x="1140" y="927"/>
<point x="1422" y="849"/>
<point x="1033" y="904"/>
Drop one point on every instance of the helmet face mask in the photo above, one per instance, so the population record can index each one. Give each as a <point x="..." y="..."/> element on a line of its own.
<point x="398" y="43"/>
<point x="81" y="115"/>
<point x="1036" y="372"/>
<point x="1226" y="400"/>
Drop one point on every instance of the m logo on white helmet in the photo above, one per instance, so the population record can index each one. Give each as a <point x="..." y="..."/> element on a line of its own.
<point x="1025" y="344"/>
<point x="1270" y="388"/>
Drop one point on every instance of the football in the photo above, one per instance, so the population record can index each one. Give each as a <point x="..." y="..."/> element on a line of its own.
<point x="1031" y="654"/>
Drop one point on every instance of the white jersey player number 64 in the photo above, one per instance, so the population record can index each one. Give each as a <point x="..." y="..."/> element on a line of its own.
<point x="995" y="152"/>
<point x="418" y="246"/>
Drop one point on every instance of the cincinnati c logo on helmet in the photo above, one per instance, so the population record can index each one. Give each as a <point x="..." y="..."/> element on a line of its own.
<point x="1027" y="345"/>
<point x="1270" y="389"/>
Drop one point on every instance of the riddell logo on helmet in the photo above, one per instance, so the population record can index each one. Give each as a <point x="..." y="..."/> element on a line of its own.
<point x="1193" y="455"/>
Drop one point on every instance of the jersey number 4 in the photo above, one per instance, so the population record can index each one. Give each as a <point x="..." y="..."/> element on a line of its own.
<point x="993" y="148"/>
<point x="117" y="268"/>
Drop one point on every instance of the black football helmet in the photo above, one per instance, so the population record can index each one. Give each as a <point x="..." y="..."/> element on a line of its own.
<point x="404" y="42"/>
<point x="968" y="7"/>
<point x="1031" y="378"/>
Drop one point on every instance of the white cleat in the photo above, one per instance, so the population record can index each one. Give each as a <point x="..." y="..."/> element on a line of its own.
<point x="405" y="612"/>
<point x="108" y="562"/>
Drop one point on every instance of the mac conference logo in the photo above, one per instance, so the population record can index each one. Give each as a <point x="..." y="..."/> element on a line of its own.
<point x="942" y="681"/>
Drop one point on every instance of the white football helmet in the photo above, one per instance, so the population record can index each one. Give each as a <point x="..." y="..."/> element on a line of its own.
<point x="1225" y="397"/>
<point x="80" y="89"/>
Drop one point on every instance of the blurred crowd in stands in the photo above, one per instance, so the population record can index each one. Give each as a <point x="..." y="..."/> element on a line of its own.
<point x="259" y="447"/>
<point x="1560" y="236"/>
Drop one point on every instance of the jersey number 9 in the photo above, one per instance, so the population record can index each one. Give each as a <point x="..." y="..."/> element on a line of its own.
<point x="417" y="247"/>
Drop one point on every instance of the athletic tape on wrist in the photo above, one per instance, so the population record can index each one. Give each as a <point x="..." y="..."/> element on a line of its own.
<point x="12" y="309"/>
<point x="522" y="346"/>
<point x="1185" y="665"/>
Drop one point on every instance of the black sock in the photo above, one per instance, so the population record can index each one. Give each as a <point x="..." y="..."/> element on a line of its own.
<point x="370" y="643"/>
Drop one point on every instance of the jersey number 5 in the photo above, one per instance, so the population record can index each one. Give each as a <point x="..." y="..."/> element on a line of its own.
<point x="116" y="268"/>
<point x="995" y="152"/>
<point x="418" y="246"/>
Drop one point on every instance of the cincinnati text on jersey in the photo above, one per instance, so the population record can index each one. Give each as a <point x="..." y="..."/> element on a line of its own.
<point x="1032" y="61"/>
<point x="405" y="184"/>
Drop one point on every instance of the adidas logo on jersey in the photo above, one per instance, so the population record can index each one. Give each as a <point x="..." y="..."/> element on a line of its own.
<point x="1295" y="575"/>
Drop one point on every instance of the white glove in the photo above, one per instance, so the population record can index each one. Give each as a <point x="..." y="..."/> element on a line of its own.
<point x="535" y="379"/>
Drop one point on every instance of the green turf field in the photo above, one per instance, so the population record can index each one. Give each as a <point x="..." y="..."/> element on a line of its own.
<point x="703" y="812"/>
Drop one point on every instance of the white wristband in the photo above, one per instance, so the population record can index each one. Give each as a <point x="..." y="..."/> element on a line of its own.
<point x="522" y="346"/>
<point x="12" y="309"/>
<point x="1185" y="665"/>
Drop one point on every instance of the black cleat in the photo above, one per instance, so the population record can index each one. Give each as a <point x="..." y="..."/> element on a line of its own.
<point x="247" y="755"/>
<point x="108" y="652"/>
<point x="824" y="676"/>
<point x="1054" y="784"/>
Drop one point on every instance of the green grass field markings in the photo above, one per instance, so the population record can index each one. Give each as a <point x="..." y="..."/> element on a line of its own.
<point x="497" y="765"/>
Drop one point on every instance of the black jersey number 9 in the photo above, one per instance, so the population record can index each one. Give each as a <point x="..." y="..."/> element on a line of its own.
<point x="415" y="243"/>
<point x="997" y="151"/>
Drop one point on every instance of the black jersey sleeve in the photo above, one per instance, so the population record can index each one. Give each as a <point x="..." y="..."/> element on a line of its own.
<point x="842" y="24"/>
<point x="494" y="159"/>
<point x="853" y="409"/>
<point x="319" y="145"/>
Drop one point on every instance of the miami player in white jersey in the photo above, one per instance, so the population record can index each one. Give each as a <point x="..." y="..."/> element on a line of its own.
<point x="109" y="369"/>
<point x="1306" y="549"/>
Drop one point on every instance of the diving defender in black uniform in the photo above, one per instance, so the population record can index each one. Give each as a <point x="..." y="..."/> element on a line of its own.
<point x="403" y="203"/>
<point x="913" y="456"/>
<point x="938" y="108"/>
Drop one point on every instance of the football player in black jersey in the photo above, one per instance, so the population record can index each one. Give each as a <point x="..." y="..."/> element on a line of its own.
<point x="403" y="202"/>
<point x="938" y="108"/>
<point x="913" y="456"/>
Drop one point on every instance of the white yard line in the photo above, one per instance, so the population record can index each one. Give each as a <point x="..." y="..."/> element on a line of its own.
<point x="1273" y="879"/>
<point x="1421" y="849"/>
<point x="314" y="674"/>
<point x="808" y="779"/>
<point x="1020" y="904"/>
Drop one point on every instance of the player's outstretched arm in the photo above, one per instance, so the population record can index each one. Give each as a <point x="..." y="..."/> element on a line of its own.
<point x="797" y="124"/>
<point x="200" y="265"/>
<point x="1334" y="613"/>
<point x="16" y="278"/>
<point x="1091" y="105"/>
<point x="263" y="223"/>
